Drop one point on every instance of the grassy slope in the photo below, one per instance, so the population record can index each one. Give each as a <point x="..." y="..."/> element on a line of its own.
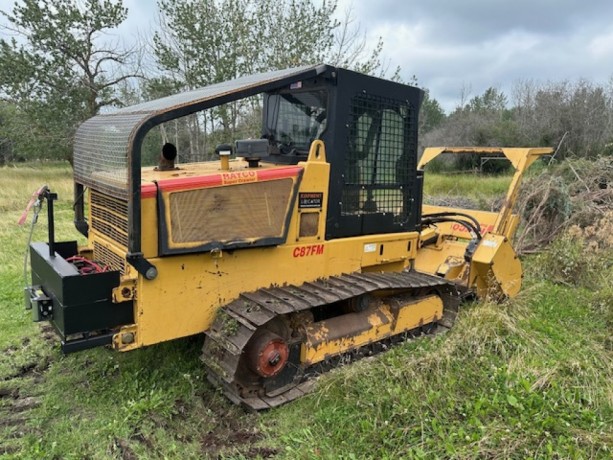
<point x="530" y="378"/>
<point x="527" y="379"/>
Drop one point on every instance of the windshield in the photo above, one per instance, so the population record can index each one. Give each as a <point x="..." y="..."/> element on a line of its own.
<point x="294" y="120"/>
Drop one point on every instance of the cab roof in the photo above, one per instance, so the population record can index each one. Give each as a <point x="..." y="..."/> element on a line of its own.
<point x="108" y="145"/>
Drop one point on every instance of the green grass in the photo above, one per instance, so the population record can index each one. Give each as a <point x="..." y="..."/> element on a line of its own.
<point x="527" y="379"/>
<point x="17" y="184"/>
<point x="471" y="185"/>
<point x="475" y="191"/>
<point x="510" y="381"/>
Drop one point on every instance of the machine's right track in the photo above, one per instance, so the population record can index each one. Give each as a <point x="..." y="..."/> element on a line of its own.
<point x="240" y="323"/>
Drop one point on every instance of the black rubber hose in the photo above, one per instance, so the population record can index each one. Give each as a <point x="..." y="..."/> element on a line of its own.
<point x="468" y="225"/>
<point x="460" y="214"/>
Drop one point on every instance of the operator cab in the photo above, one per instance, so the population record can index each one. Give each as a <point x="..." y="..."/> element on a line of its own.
<point x="369" y="128"/>
<point x="292" y="121"/>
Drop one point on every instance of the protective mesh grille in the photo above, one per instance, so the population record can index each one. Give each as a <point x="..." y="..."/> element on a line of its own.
<point x="109" y="216"/>
<point x="233" y="213"/>
<point x="380" y="164"/>
<point x="100" y="152"/>
<point x="109" y="258"/>
<point x="102" y="143"/>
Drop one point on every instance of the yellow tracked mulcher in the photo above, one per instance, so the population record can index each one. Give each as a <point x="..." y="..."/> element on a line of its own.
<point x="290" y="253"/>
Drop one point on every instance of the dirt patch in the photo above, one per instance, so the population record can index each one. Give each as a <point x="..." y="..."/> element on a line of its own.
<point x="181" y="410"/>
<point x="11" y="421"/>
<point x="231" y="431"/>
<point x="48" y="334"/>
<point x="21" y="372"/>
<point x="8" y="450"/>
<point x="261" y="452"/>
<point x="10" y="350"/>
<point x="139" y="437"/>
<point x="24" y="404"/>
<point x="6" y="392"/>
<point x="34" y="368"/>
<point x="122" y="447"/>
<point x="26" y="368"/>
<point x="19" y="432"/>
<point x="235" y="438"/>
<point x="223" y="440"/>
<point x="30" y="368"/>
<point x="16" y="393"/>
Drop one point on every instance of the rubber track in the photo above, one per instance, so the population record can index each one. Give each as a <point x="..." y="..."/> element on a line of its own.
<point x="232" y="330"/>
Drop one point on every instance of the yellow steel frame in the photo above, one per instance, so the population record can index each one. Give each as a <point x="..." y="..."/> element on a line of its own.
<point x="323" y="339"/>
<point x="189" y="289"/>
<point x="520" y="158"/>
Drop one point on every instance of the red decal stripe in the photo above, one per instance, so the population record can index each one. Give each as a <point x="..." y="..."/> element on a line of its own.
<point x="148" y="190"/>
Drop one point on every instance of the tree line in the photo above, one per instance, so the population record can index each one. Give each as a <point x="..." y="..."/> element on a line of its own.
<point x="61" y="62"/>
<point x="575" y="118"/>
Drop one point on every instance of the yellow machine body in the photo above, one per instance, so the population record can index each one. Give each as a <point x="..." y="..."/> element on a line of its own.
<point x="311" y="248"/>
<point x="185" y="298"/>
<point x="190" y="289"/>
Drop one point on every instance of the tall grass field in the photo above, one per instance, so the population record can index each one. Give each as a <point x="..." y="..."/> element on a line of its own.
<point x="530" y="378"/>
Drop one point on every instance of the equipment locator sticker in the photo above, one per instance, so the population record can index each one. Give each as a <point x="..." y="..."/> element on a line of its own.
<point x="310" y="200"/>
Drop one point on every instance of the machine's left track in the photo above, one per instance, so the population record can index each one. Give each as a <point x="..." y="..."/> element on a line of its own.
<point x="253" y="349"/>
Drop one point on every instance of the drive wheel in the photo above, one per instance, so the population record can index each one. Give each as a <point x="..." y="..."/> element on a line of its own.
<point x="267" y="354"/>
<point x="270" y="361"/>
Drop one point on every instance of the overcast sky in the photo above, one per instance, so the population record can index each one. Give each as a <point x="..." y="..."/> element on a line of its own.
<point x="457" y="47"/>
<point x="451" y="45"/>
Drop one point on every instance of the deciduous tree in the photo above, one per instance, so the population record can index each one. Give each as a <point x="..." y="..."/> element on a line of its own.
<point x="201" y="42"/>
<point x="60" y="68"/>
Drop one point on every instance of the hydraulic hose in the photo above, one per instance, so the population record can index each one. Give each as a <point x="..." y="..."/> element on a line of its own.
<point x="459" y="214"/>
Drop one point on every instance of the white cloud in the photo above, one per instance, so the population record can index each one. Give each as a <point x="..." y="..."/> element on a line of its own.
<point x="451" y="45"/>
<point x="601" y="46"/>
<point x="141" y="19"/>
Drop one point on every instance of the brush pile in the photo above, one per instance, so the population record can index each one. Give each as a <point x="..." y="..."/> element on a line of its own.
<point x="575" y="198"/>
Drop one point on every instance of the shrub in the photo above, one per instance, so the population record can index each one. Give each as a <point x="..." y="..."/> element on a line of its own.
<point x="575" y="193"/>
<point x="581" y="257"/>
